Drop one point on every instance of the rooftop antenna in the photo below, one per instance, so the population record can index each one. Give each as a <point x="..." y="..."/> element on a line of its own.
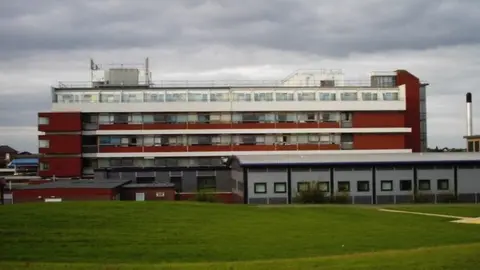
<point x="147" y="72"/>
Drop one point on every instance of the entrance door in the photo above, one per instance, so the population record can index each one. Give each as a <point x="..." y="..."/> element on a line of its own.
<point x="139" y="197"/>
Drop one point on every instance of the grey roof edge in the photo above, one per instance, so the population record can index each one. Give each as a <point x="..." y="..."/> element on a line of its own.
<point x="83" y="184"/>
<point x="344" y="158"/>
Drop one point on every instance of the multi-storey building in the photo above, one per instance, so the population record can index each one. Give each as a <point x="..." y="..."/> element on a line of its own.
<point x="121" y="119"/>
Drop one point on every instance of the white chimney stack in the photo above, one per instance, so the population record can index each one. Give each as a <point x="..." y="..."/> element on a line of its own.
<point x="469" y="114"/>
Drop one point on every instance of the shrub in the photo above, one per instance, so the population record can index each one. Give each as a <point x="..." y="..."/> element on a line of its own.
<point x="422" y="198"/>
<point x="205" y="195"/>
<point x="447" y="198"/>
<point x="341" y="197"/>
<point x="312" y="195"/>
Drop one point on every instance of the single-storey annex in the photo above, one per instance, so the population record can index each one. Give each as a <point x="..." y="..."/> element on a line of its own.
<point x="366" y="178"/>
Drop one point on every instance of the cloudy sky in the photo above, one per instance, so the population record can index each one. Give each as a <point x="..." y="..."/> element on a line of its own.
<point x="43" y="42"/>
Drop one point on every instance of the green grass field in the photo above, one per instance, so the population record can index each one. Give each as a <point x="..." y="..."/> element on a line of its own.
<point x="148" y="235"/>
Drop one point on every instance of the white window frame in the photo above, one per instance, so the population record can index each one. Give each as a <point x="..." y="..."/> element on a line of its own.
<point x="42" y="120"/>
<point x="43" y="143"/>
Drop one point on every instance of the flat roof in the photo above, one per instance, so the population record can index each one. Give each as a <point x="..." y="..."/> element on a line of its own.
<point x="150" y="185"/>
<point x="340" y="159"/>
<point x="82" y="183"/>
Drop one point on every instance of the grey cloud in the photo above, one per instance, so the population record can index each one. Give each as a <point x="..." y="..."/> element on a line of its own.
<point x="20" y="109"/>
<point x="323" y="28"/>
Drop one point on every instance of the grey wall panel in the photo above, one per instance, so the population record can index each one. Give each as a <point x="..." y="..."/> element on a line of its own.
<point x="433" y="175"/>
<point x="129" y="176"/>
<point x="99" y="176"/>
<point x="307" y="175"/>
<point x="114" y="175"/>
<point x="468" y="180"/>
<point x="162" y="177"/>
<point x="353" y="177"/>
<point x="237" y="177"/>
<point x="189" y="181"/>
<point x="270" y="178"/>
<point x="258" y="201"/>
<point x="395" y="176"/>
<point x="223" y="181"/>
<point x="145" y="174"/>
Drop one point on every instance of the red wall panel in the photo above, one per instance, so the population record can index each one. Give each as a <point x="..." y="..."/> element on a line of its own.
<point x="61" y="121"/>
<point x="61" y="166"/>
<point x="378" y="141"/>
<point x="67" y="194"/>
<point x="62" y="144"/>
<point x="378" y="119"/>
<point x="150" y="193"/>
<point x="412" y="115"/>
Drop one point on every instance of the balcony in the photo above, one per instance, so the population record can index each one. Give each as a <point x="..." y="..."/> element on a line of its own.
<point x="231" y="99"/>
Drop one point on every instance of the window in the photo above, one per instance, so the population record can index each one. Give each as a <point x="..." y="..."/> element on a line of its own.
<point x="175" y="97"/>
<point x="442" y="184"/>
<point x="390" y="96"/>
<point x="284" y="96"/>
<point x="242" y="97"/>
<point x="263" y="96"/>
<point x="470" y="146"/>
<point x="197" y="97"/>
<point x="386" y="185"/>
<point x="260" y="188"/>
<point x="43" y="121"/>
<point x="324" y="186"/>
<point x="343" y="186"/>
<point x="303" y="186"/>
<point x="280" y="187"/>
<point x="363" y="186"/>
<point x="206" y="182"/>
<point x="327" y="96"/>
<point x="219" y="97"/>
<point x="349" y="96"/>
<point x="423" y="184"/>
<point x="307" y="96"/>
<point x="115" y="162"/>
<point x="43" y="144"/>
<point x="44" y="166"/>
<point x="369" y="96"/>
<point x="405" y="185"/>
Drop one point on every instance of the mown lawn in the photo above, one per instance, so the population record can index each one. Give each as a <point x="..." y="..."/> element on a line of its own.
<point x="148" y="235"/>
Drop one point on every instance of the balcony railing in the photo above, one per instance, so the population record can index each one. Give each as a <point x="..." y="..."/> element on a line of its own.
<point x="216" y="96"/>
<point x="219" y="83"/>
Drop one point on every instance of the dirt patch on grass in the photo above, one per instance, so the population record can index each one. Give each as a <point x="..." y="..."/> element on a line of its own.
<point x="464" y="220"/>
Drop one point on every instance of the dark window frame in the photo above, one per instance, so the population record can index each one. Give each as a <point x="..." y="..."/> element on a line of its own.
<point x="443" y="180"/>
<point x="339" y="183"/>
<point x="360" y="182"/>
<point x="386" y="181"/>
<point x="276" y="184"/>
<point x="410" y="183"/>
<point x="420" y="181"/>
<point x="264" y="184"/>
